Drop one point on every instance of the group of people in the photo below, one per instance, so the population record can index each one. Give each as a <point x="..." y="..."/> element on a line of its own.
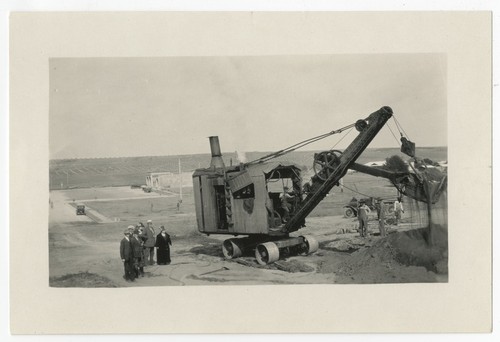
<point x="364" y="210"/>
<point x="137" y="249"/>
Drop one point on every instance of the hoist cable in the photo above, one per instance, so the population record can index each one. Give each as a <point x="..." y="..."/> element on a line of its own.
<point x="400" y="128"/>
<point x="319" y="137"/>
<point x="359" y="193"/>
<point x="298" y="145"/>
<point x="288" y="149"/>
<point x="390" y="129"/>
<point x="345" y="135"/>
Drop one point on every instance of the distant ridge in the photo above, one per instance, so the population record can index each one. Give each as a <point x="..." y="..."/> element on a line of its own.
<point x="120" y="171"/>
<point x="227" y="152"/>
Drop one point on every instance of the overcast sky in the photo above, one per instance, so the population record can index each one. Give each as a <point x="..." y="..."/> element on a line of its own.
<point x="113" y="107"/>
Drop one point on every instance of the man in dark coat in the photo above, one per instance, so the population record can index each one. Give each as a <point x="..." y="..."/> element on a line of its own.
<point x="127" y="256"/>
<point x="137" y="242"/>
<point x="149" y="244"/>
<point x="163" y="244"/>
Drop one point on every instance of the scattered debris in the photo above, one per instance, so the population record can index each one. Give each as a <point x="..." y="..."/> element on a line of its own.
<point x="292" y="266"/>
<point x="217" y="270"/>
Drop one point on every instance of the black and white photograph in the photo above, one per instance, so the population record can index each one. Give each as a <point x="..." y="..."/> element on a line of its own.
<point x="251" y="172"/>
<point x="248" y="170"/>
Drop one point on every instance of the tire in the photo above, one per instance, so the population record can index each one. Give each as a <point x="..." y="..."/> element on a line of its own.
<point x="349" y="212"/>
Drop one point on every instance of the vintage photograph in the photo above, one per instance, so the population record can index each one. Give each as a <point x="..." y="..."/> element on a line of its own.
<point x="248" y="170"/>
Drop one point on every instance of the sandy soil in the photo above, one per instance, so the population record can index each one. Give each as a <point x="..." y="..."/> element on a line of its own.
<point x="84" y="253"/>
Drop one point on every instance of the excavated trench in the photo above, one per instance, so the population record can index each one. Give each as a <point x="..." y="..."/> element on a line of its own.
<point x="413" y="255"/>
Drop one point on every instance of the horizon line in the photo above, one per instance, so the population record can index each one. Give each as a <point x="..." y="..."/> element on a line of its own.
<point x="226" y="152"/>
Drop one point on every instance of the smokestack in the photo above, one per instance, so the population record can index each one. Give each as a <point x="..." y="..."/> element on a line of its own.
<point x="216" y="161"/>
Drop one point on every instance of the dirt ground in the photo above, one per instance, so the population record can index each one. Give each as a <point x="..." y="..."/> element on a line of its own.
<point x="84" y="253"/>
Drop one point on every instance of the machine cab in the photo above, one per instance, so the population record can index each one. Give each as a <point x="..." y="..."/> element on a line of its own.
<point x="254" y="199"/>
<point x="257" y="199"/>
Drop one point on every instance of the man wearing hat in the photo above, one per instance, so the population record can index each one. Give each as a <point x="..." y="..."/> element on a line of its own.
<point x="137" y="241"/>
<point x="149" y="243"/>
<point x="127" y="255"/>
<point x="363" y="211"/>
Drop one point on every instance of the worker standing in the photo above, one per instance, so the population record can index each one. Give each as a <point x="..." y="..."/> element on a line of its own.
<point x="149" y="244"/>
<point x="363" y="212"/>
<point x="286" y="205"/>
<point x="137" y="241"/>
<point x="381" y="217"/>
<point x="398" y="210"/>
<point x="127" y="256"/>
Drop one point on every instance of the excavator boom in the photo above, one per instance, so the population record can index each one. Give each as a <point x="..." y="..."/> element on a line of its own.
<point x="335" y="166"/>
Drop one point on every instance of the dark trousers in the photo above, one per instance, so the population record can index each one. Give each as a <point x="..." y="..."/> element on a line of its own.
<point x="128" y="266"/>
<point x="149" y="255"/>
<point x="363" y="226"/>
<point x="138" y="266"/>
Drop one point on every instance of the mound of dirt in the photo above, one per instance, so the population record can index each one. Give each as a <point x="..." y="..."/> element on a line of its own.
<point x="83" y="279"/>
<point x="401" y="257"/>
<point x="412" y="249"/>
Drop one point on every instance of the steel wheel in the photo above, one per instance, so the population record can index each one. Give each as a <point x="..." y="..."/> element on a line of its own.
<point x="267" y="253"/>
<point x="312" y="244"/>
<point x="325" y="163"/>
<point x="230" y="249"/>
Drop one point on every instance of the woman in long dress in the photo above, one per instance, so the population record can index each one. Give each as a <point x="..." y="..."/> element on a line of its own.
<point x="163" y="244"/>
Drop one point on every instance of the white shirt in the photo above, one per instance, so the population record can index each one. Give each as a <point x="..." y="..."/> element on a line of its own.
<point x="398" y="205"/>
